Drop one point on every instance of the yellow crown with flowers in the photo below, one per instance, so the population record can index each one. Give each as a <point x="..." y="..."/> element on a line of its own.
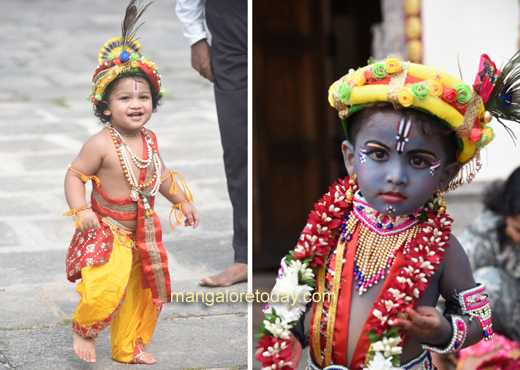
<point x="119" y="57"/>
<point x="467" y="110"/>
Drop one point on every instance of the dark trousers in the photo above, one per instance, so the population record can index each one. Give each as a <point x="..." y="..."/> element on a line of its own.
<point x="227" y="22"/>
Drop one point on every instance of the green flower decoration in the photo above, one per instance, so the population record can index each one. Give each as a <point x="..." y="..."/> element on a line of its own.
<point x="111" y="56"/>
<point x="99" y="97"/>
<point x="379" y="70"/>
<point x="463" y="93"/>
<point x="420" y="90"/>
<point x="483" y="141"/>
<point x="134" y="56"/>
<point x="344" y="91"/>
<point x="162" y="91"/>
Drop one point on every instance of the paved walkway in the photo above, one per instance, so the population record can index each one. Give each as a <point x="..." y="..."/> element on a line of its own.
<point x="50" y="51"/>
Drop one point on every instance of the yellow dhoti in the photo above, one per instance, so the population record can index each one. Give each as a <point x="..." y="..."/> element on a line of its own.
<point x="112" y="294"/>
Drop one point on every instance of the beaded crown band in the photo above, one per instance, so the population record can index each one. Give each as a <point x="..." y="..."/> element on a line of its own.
<point x="466" y="109"/>
<point x="119" y="57"/>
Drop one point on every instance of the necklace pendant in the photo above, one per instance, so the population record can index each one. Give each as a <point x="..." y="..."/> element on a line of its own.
<point x="134" y="194"/>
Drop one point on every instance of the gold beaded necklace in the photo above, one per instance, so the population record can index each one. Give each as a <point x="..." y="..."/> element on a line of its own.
<point x="380" y="238"/>
<point x="136" y="187"/>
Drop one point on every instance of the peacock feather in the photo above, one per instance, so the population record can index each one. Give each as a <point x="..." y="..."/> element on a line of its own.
<point x="504" y="100"/>
<point x="127" y="41"/>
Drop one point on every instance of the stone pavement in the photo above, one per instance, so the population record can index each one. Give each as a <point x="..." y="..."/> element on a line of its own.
<point x="50" y="51"/>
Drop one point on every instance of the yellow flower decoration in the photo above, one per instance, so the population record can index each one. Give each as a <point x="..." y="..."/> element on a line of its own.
<point x="392" y="65"/>
<point x="434" y="88"/>
<point x="332" y="89"/>
<point x="134" y="64"/>
<point x="360" y="80"/>
<point x="489" y="132"/>
<point x="405" y="97"/>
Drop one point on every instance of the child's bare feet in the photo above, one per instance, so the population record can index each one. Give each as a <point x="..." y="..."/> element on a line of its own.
<point x="234" y="274"/>
<point x="143" y="358"/>
<point x="85" y="348"/>
<point x="149" y="359"/>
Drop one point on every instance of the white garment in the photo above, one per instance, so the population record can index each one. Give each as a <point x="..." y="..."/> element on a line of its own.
<point x="191" y="15"/>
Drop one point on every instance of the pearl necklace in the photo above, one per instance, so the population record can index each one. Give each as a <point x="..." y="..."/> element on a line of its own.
<point x="140" y="163"/>
<point x="153" y="157"/>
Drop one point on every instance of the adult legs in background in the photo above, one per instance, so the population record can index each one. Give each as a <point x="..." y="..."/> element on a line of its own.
<point x="227" y="22"/>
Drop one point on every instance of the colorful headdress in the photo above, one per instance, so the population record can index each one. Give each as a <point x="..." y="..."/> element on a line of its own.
<point x="119" y="57"/>
<point x="465" y="109"/>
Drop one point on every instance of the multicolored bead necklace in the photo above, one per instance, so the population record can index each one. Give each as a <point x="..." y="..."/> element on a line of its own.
<point x="380" y="238"/>
<point x="137" y="191"/>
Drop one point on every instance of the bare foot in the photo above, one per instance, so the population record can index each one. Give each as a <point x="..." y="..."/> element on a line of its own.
<point x="85" y="348"/>
<point x="234" y="274"/>
<point x="149" y="359"/>
<point x="145" y="357"/>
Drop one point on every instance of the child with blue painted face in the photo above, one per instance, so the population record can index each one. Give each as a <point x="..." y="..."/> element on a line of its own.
<point x="379" y="243"/>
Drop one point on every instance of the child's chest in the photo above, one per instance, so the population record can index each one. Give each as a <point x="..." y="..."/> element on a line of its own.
<point x="124" y="167"/>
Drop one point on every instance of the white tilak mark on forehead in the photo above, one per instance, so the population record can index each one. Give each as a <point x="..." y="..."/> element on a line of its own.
<point x="434" y="167"/>
<point x="136" y="87"/>
<point x="403" y="131"/>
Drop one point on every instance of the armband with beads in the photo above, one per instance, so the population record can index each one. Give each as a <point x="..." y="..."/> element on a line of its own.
<point x="474" y="302"/>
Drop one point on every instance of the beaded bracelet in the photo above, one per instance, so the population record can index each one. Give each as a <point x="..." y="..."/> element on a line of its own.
<point x="457" y="339"/>
<point x="178" y="213"/>
<point x="474" y="303"/>
<point x="74" y="212"/>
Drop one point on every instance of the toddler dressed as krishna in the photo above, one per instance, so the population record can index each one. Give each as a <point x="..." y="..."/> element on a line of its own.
<point x="379" y="243"/>
<point x="117" y="249"/>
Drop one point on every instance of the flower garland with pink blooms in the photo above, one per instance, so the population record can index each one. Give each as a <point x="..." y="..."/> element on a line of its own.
<point x="423" y="256"/>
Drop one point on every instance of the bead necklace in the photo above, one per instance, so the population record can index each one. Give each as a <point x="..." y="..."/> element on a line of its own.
<point x="140" y="163"/>
<point x="137" y="191"/>
<point x="380" y="238"/>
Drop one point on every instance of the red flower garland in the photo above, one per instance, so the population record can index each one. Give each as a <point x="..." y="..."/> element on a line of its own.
<point x="277" y="352"/>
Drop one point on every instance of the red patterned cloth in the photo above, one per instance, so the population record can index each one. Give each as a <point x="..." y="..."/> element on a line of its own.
<point x="88" y="248"/>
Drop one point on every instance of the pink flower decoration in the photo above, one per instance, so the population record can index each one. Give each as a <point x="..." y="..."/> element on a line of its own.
<point x="486" y="77"/>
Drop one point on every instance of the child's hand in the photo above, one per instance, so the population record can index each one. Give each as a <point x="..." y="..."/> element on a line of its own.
<point x="89" y="220"/>
<point x="426" y="324"/>
<point x="192" y="217"/>
<point x="296" y="351"/>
